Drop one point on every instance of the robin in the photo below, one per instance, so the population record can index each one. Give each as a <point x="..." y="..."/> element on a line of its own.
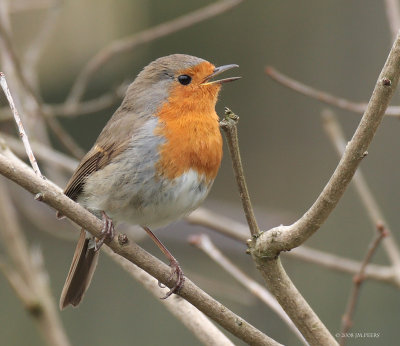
<point x="154" y="162"/>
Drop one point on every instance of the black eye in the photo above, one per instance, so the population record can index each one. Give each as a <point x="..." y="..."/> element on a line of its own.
<point x="184" y="79"/>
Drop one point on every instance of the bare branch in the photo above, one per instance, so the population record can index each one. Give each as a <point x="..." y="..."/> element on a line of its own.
<point x="229" y="126"/>
<point x="358" y="279"/>
<point x="238" y="231"/>
<point x="283" y="238"/>
<point x="204" y="243"/>
<point x="21" y="130"/>
<point x="324" y="96"/>
<point x="130" y="42"/>
<point x="335" y="133"/>
<point x="52" y="195"/>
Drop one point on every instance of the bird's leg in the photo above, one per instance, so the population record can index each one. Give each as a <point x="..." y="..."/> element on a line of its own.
<point x="173" y="263"/>
<point x="106" y="233"/>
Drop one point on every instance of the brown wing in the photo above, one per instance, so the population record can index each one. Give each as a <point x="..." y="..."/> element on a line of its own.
<point x="93" y="161"/>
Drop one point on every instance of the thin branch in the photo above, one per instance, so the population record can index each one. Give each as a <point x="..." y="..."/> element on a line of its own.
<point x="186" y="313"/>
<point x="130" y="42"/>
<point x="21" y="130"/>
<point x="284" y="238"/>
<point x="324" y="96"/>
<point x="393" y="16"/>
<point x="271" y="269"/>
<point x="52" y="195"/>
<point x="229" y="126"/>
<point x="347" y="320"/>
<point x="204" y="243"/>
<point x="335" y="133"/>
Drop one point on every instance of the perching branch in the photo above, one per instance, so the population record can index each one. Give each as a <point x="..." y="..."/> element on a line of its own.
<point x="193" y="319"/>
<point x="47" y="192"/>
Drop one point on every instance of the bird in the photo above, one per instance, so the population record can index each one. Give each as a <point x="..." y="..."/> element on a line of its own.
<point x="153" y="163"/>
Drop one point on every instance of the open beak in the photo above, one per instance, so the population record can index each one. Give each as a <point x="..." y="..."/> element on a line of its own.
<point x="217" y="71"/>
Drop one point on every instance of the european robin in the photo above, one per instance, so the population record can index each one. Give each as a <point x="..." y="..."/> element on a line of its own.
<point x="154" y="161"/>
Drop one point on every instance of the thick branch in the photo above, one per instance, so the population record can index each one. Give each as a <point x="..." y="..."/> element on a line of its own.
<point x="374" y="212"/>
<point x="52" y="195"/>
<point x="239" y="231"/>
<point x="282" y="238"/>
<point x="192" y="318"/>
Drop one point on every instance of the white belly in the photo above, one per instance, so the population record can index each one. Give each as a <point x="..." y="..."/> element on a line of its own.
<point x="151" y="203"/>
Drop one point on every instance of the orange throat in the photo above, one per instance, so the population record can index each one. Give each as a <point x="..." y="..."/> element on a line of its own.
<point x="192" y="141"/>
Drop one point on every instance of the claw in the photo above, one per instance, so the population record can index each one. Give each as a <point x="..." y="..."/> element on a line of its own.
<point x="107" y="233"/>
<point x="180" y="279"/>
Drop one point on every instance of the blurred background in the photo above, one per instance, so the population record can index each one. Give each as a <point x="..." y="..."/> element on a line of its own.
<point x="338" y="46"/>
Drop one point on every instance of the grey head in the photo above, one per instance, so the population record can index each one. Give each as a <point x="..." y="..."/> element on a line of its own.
<point x="151" y="87"/>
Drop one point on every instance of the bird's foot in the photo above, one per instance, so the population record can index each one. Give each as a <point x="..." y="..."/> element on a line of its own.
<point x="177" y="271"/>
<point x="107" y="233"/>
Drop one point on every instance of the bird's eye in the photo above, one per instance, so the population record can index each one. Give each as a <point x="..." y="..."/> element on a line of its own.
<point x="184" y="79"/>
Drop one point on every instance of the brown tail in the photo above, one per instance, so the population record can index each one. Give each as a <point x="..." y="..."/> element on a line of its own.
<point x="80" y="273"/>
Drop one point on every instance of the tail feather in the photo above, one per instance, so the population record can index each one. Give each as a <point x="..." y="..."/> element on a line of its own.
<point x="80" y="273"/>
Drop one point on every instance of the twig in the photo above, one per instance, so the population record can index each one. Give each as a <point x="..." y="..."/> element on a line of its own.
<point x="21" y="130"/>
<point x="393" y="16"/>
<point x="204" y="243"/>
<point x="238" y="231"/>
<point x="52" y="195"/>
<point x="358" y="279"/>
<point x="186" y="313"/>
<point x="284" y="238"/>
<point x="335" y="133"/>
<point x="229" y="126"/>
<point x="324" y="96"/>
<point x="130" y="42"/>
<point x="28" y="278"/>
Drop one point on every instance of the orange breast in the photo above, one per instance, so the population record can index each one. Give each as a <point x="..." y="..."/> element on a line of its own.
<point x="189" y="123"/>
